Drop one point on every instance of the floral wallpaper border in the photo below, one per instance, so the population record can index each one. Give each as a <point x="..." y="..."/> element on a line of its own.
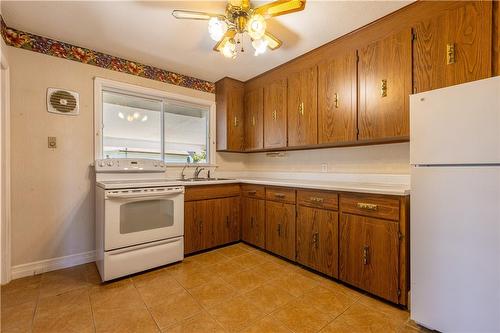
<point x="28" y="41"/>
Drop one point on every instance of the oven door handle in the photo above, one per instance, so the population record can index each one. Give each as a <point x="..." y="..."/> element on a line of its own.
<point x="142" y="195"/>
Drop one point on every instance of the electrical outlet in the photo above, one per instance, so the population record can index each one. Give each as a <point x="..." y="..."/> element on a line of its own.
<point x="324" y="167"/>
<point x="52" y="142"/>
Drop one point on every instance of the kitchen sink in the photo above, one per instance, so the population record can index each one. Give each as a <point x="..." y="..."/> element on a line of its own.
<point x="203" y="179"/>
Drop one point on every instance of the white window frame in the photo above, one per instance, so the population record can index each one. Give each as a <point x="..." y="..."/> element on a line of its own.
<point x="101" y="84"/>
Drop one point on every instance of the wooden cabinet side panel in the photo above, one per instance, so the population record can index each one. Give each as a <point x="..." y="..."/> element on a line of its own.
<point x="337" y="105"/>
<point x="275" y="114"/>
<point x="192" y="232"/>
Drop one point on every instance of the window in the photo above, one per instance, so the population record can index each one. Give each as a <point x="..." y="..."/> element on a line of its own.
<point x="154" y="125"/>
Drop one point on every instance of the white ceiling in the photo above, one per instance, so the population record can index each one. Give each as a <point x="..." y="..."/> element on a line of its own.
<point x="147" y="32"/>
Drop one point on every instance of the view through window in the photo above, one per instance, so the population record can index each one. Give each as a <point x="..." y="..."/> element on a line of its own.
<point x="140" y="127"/>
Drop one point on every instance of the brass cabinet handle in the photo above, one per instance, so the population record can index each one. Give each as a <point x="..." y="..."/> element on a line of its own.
<point x="279" y="195"/>
<point x="301" y="108"/>
<point x="450" y="53"/>
<point x="236" y="121"/>
<point x="253" y="120"/>
<point x="367" y="206"/>
<point x="252" y="192"/>
<point x="365" y="255"/>
<point x="275" y="115"/>
<point x="336" y="100"/>
<point x="315" y="240"/>
<point x="316" y="199"/>
<point x="383" y="88"/>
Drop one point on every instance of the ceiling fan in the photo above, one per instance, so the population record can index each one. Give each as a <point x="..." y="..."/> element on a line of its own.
<point x="239" y="18"/>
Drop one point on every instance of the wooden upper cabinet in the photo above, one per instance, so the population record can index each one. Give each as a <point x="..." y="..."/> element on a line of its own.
<point x="454" y="47"/>
<point x="275" y="114"/>
<point x="254" y="124"/>
<point x="384" y="75"/>
<point x="229" y="97"/>
<point x="302" y="107"/>
<point x="337" y="99"/>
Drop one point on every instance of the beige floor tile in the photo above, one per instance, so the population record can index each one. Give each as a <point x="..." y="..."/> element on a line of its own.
<point x="247" y="247"/>
<point x="212" y="293"/>
<point x="62" y="281"/>
<point x="124" y="320"/>
<point x="268" y="297"/>
<point x="392" y="311"/>
<point x="175" y="308"/>
<point x="117" y="295"/>
<point x="362" y="318"/>
<point x="185" y="266"/>
<point x="295" y="283"/>
<point x="235" y="314"/>
<point x="157" y="288"/>
<point x="17" y="318"/>
<point x="193" y="279"/>
<point x="267" y="325"/>
<point x="200" y="323"/>
<point x="337" y="287"/>
<point x="233" y="250"/>
<point x="272" y="270"/>
<point x="225" y="268"/>
<point x="328" y="301"/>
<point x="249" y="260"/>
<point x="209" y="258"/>
<point x="244" y="281"/>
<point x="24" y="290"/>
<point x="64" y="313"/>
<point x="300" y="317"/>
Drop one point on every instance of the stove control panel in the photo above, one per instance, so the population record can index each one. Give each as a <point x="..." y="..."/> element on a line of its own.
<point x="129" y="165"/>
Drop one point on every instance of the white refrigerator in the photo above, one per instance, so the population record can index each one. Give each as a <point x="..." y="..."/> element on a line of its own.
<point x="455" y="207"/>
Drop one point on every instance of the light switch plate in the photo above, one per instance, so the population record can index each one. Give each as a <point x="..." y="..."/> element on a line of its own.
<point x="324" y="167"/>
<point x="52" y="142"/>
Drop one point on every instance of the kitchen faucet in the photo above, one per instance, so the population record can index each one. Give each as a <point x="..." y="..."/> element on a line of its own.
<point x="183" y="176"/>
<point x="197" y="172"/>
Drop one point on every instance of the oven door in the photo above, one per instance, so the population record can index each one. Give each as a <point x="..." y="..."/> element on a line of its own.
<point x="137" y="216"/>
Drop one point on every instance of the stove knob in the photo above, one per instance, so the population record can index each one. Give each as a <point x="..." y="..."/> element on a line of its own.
<point x="110" y="163"/>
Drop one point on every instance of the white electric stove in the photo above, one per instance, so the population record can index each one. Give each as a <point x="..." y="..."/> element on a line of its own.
<point x="139" y="217"/>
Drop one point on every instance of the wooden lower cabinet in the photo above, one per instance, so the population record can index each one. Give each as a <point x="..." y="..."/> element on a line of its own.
<point x="317" y="239"/>
<point x="280" y="229"/>
<point x="211" y="222"/>
<point x="369" y="255"/>
<point x="253" y="218"/>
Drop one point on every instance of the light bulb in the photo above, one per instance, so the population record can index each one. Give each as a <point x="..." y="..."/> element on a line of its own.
<point x="256" y="26"/>
<point x="216" y="28"/>
<point x="130" y="117"/>
<point x="260" y="46"/>
<point x="136" y="115"/>
<point x="229" y="49"/>
<point x="120" y="115"/>
<point x="144" y="118"/>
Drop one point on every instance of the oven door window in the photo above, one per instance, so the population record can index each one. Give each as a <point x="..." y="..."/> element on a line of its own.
<point x="145" y="215"/>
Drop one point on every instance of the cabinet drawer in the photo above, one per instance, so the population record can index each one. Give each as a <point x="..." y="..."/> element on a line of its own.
<point x="325" y="200"/>
<point x="280" y="194"/>
<point x="202" y="192"/>
<point x="253" y="191"/>
<point x="370" y="205"/>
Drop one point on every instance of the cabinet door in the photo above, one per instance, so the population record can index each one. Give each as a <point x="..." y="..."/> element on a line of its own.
<point x="280" y="229"/>
<point x="466" y="28"/>
<point x="226" y="220"/>
<point x="369" y="252"/>
<point x="275" y="114"/>
<point x="317" y="239"/>
<point x="302" y="108"/>
<point x="254" y="125"/>
<point x="337" y="106"/>
<point x="253" y="221"/>
<point x="384" y="88"/>
<point x="235" y="131"/>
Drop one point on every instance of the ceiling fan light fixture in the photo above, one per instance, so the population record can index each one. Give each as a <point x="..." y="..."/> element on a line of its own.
<point x="256" y="26"/>
<point x="217" y="28"/>
<point x="229" y="49"/>
<point x="260" y="46"/>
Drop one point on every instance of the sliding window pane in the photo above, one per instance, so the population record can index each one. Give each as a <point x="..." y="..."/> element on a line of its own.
<point x="186" y="133"/>
<point x="132" y="126"/>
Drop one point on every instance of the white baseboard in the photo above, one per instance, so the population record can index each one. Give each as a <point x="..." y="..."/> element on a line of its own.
<point x="53" y="264"/>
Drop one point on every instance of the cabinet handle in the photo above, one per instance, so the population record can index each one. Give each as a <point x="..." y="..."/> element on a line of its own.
<point x="365" y="255"/>
<point x="236" y="121"/>
<point x="301" y="108"/>
<point x="383" y="88"/>
<point x="253" y="120"/>
<point x="279" y="230"/>
<point x="450" y="53"/>
<point x="316" y="240"/>
<point x="336" y="100"/>
<point x="279" y="195"/>
<point x="275" y="115"/>
<point x="316" y="199"/>
<point x="252" y="192"/>
<point x="367" y="206"/>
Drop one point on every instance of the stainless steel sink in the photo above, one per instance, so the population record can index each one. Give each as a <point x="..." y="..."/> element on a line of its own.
<point x="203" y="179"/>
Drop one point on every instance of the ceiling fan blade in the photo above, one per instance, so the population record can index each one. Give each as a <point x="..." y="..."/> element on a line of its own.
<point x="272" y="41"/>
<point x="192" y="15"/>
<point x="280" y="7"/>
<point x="227" y="36"/>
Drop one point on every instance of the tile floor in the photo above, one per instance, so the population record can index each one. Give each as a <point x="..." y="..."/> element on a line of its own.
<point x="232" y="289"/>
